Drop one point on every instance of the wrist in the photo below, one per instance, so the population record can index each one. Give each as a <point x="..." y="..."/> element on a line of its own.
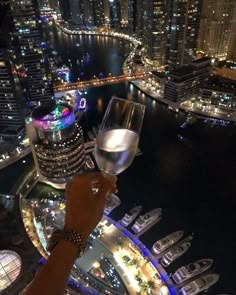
<point x="84" y="232"/>
<point x="72" y="236"/>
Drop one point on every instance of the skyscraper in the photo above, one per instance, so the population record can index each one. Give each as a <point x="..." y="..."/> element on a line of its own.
<point x="218" y="21"/>
<point x="183" y="18"/>
<point x="135" y="17"/>
<point x="115" y="13"/>
<point x="77" y="11"/>
<point x="57" y="142"/>
<point x="64" y="7"/>
<point x="124" y="13"/>
<point x="99" y="13"/>
<point x="184" y="83"/>
<point x="12" y="106"/>
<point x="154" y="30"/>
<point x="30" y="57"/>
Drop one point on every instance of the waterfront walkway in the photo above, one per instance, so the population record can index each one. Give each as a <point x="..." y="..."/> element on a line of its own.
<point x="152" y="269"/>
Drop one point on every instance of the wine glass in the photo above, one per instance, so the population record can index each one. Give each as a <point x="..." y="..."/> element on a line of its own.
<point x="118" y="136"/>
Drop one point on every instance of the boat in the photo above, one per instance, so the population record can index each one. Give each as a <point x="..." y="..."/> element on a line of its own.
<point x="188" y="271"/>
<point x="175" y="253"/>
<point x="200" y="284"/>
<point x="147" y="220"/>
<point x="112" y="202"/>
<point x="167" y="241"/>
<point x="89" y="163"/>
<point x="130" y="217"/>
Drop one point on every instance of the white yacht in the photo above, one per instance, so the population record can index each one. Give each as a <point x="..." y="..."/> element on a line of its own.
<point x="200" y="284"/>
<point x="130" y="217"/>
<point x="175" y="253"/>
<point x="167" y="241"/>
<point x="147" y="220"/>
<point x="112" y="202"/>
<point x="188" y="271"/>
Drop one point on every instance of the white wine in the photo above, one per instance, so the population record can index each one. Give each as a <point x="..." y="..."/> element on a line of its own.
<point x="115" y="150"/>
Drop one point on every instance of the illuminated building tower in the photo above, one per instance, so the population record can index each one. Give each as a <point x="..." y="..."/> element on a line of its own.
<point x="135" y="17"/>
<point x="185" y="82"/>
<point x="232" y="48"/>
<point x="99" y="13"/>
<point x="139" y="18"/>
<point x="217" y="26"/>
<point x="183" y="18"/>
<point x="64" y="7"/>
<point x="89" y="12"/>
<point x="154" y="30"/>
<point x="115" y="14"/>
<point x="124" y="13"/>
<point x="77" y="11"/>
<point x="57" y="142"/>
<point x="37" y="82"/>
<point x="12" y="107"/>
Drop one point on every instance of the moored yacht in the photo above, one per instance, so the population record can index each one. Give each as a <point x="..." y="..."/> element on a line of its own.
<point x="175" y="253"/>
<point x="130" y="217"/>
<point x="112" y="202"/>
<point x="147" y="220"/>
<point x="188" y="271"/>
<point x="200" y="284"/>
<point x="167" y="241"/>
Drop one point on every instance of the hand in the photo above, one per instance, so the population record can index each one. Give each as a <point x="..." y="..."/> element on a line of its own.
<point x="84" y="209"/>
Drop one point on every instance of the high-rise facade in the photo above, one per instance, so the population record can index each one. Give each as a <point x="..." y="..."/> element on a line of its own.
<point x="124" y="13"/>
<point x="30" y="57"/>
<point x="64" y="7"/>
<point x="154" y="30"/>
<point x="77" y="11"/>
<point x="57" y="142"/>
<point x="12" y="104"/>
<point x="115" y="14"/>
<point x="184" y="83"/>
<point x="217" y="30"/>
<point x="135" y="17"/>
<point x="183" y="18"/>
<point x="99" y="12"/>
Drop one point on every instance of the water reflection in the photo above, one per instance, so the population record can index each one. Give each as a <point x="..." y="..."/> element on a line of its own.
<point x="100" y="105"/>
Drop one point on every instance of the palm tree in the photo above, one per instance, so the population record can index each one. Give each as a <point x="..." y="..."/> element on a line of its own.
<point x="143" y="287"/>
<point x="138" y="276"/>
<point x="134" y="262"/>
<point x="151" y="285"/>
<point x="120" y="243"/>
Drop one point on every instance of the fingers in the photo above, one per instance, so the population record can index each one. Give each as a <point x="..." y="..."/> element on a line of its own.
<point x="84" y="183"/>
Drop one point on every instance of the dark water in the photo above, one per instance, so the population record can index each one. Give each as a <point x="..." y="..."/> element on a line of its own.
<point x="193" y="180"/>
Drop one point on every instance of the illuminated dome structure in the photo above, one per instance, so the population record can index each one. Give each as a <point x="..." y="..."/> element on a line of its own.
<point x="10" y="268"/>
<point x="57" y="142"/>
